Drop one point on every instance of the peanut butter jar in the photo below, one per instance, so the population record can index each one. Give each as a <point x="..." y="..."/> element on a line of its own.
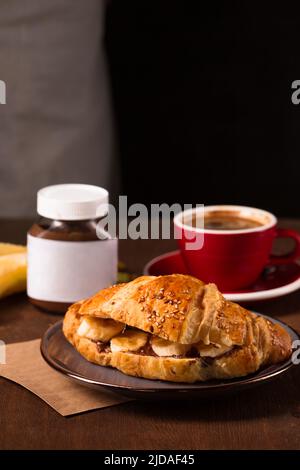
<point x="67" y="261"/>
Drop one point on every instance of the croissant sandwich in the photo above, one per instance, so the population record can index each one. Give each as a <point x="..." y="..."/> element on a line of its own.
<point x="173" y="328"/>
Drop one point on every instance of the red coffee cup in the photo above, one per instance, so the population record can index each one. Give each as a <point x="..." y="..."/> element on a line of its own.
<point x="233" y="259"/>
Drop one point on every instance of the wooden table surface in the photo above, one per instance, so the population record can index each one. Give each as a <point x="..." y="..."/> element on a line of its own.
<point x="265" y="417"/>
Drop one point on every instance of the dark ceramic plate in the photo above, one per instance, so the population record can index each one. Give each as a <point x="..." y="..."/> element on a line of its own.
<point x="59" y="354"/>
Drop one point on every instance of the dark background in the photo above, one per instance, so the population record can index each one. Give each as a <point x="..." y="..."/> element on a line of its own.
<point x="202" y="98"/>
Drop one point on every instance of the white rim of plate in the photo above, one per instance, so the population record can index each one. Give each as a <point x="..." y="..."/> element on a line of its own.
<point x="239" y="296"/>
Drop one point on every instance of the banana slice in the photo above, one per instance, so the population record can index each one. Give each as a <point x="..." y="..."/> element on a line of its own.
<point x="212" y="350"/>
<point x="130" y="340"/>
<point x="162" y="347"/>
<point x="99" y="329"/>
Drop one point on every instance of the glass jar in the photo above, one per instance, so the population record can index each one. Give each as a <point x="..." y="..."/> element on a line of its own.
<point x="67" y="261"/>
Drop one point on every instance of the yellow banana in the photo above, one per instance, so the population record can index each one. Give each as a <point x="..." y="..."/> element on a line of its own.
<point x="9" y="248"/>
<point x="13" y="266"/>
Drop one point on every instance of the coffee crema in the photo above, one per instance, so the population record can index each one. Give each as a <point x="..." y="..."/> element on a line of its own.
<point x="227" y="220"/>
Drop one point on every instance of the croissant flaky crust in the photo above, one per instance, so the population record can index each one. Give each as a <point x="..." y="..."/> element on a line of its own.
<point x="173" y="328"/>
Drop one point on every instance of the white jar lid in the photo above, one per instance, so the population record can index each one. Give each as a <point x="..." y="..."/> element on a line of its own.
<point x="72" y="202"/>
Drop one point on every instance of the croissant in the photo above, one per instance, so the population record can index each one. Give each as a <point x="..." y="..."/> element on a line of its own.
<point x="173" y="328"/>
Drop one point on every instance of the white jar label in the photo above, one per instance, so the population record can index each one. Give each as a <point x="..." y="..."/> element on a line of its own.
<point x="60" y="271"/>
